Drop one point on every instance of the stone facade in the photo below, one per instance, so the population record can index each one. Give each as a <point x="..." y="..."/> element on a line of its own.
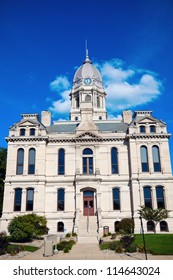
<point x="89" y="165"/>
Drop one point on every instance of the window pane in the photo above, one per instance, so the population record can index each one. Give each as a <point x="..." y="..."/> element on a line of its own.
<point x="90" y="165"/>
<point x="147" y="197"/>
<point x="61" y="162"/>
<point x="30" y="199"/>
<point x="160" y="197"/>
<point x="17" y="199"/>
<point x="61" y="199"/>
<point x="32" y="131"/>
<point x="20" y="161"/>
<point x="31" y="167"/>
<point x="152" y="128"/>
<point x="116" y="199"/>
<point x="144" y="159"/>
<point x="87" y="151"/>
<point x="114" y="160"/>
<point x="142" y="129"/>
<point x="22" y="132"/>
<point x="156" y="159"/>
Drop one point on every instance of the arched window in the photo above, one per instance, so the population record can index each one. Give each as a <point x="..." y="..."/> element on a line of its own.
<point x="87" y="161"/>
<point x="17" y="199"/>
<point x="60" y="199"/>
<point x="32" y="131"/>
<point x="150" y="226"/>
<point x="163" y="226"/>
<point x="61" y="162"/>
<point x="30" y="199"/>
<point x="116" y="199"/>
<point x="152" y="128"/>
<point x="77" y="101"/>
<point x="22" y="132"/>
<point x="156" y="159"/>
<point x="88" y="98"/>
<point x="98" y="102"/>
<point x="31" y="164"/>
<point x="160" y="197"/>
<point x="142" y="129"/>
<point x="60" y="227"/>
<point x="20" y="161"/>
<point x="147" y="197"/>
<point x="114" y="160"/>
<point x="117" y="226"/>
<point x="144" y="159"/>
<point x="100" y="117"/>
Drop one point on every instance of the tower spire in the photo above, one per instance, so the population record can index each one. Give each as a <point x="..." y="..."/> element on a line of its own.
<point x="86" y="51"/>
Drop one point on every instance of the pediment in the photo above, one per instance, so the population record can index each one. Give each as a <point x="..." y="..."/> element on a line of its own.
<point x="88" y="135"/>
<point x="26" y="123"/>
<point x="148" y="120"/>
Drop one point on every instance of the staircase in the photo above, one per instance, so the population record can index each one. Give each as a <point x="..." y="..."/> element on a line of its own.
<point x="87" y="230"/>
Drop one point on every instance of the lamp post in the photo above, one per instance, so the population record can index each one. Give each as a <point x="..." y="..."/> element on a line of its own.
<point x="142" y="228"/>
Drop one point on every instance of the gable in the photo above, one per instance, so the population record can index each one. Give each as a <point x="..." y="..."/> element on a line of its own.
<point x="27" y="123"/>
<point x="88" y="135"/>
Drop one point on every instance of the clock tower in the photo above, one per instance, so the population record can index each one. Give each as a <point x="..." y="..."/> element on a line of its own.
<point x="87" y="94"/>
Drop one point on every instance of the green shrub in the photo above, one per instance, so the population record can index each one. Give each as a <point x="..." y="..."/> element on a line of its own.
<point x="65" y="244"/>
<point x="26" y="227"/>
<point x="127" y="225"/>
<point x="141" y="248"/>
<point x="74" y="234"/>
<point x="113" y="236"/>
<point x="126" y="241"/>
<point x="113" y="245"/>
<point x="119" y="249"/>
<point x="66" y="250"/>
<point x="131" y="249"/>
<point x="3" y="242"/>
<point x="104" y="246"/>
<point x="68" y="235"/>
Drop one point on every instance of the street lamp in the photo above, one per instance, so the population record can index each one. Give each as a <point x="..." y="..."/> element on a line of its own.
<point x="142" y="228"/>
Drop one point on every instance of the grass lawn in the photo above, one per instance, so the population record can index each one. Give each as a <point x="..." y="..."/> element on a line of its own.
<point x="157" y="244"/>
<point x="25" y="247"/>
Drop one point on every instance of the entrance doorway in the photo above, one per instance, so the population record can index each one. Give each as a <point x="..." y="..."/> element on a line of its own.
<point x="88" y="203"/>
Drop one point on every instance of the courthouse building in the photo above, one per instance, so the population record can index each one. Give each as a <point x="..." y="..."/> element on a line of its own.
<point x="88" y="173"/>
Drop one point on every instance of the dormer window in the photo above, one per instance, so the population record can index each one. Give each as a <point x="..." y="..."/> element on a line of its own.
<point x="142" y="129"/>
<point x="152" y="129"/>
<point x="22" y="132"/>
<point x="32" y="131"/>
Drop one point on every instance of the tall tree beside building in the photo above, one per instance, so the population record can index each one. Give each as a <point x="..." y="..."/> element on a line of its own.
<point x="3" y="158"/>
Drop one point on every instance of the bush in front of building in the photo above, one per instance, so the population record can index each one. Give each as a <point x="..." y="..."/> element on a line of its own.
<point x="26" y="227"/>
<point x="3" y="243"/>
<point x="127" y="225"/>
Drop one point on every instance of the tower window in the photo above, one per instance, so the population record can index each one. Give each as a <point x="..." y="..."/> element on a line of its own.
<point x="61" y="195"/>
<point x="20" y="161"/>
<point x="30" y="199"/>
<point x="17" y="199"/>
<point x="32" y="131"/>
<point x="114" y="160"/>
<point x="156" y="159"/>
<point x="88" y="98"/>
<point x="22" y="132"/>
<point x="87" y="161"/>
<point x="152" y="128"/>
<point x="142" y="129"/>
<point x="144" y="159"/>
<point x="31" y="165"/>
<point x="61" y="162"/>
<point x="77" y="101"/>
<point x="98" y="102"/>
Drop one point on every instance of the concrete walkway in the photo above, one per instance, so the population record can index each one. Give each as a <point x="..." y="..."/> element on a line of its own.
<point x="90" y="252"/>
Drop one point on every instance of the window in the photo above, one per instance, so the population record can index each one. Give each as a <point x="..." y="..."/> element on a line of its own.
<point x="77" y="101"/>
<point x="156" y="159"/>
<point x="150" y="226"/>
<point x="87" y="161"/>
<point x="100" y="117"/>
<point x="116" y="199"/>
<point x="88" y="98"/>
<point x="114" y="160"/>
<point x="60" y="205"/>
<point x="142" y="129"/>
<point x="20" y="161"/>
<point x="117" y="226"/>
<point x="17" y="199"/>
<point x="60" y="227"/>
<point x="163" y="226"/>
<point x="152" y="128"/>
<point x="98" y="102"/>
<point x="22" y="132"/>
<point x="76" y="118"/>
<point x="32" y="131"/>
<point x="144" y="159"/>
<point x="30" y="199"/>
<point x="61" y="162"/>
<point x="31" y="165"/>
<point x="160" y="197"/>
<point x="147" y="197"/>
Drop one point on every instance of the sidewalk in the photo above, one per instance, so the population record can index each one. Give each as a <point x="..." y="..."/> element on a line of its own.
<point x="87" y="252"/>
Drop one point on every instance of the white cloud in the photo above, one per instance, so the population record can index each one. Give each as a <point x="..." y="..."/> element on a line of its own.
<point x="60" y="83"/>
<point x="61" y="106"/>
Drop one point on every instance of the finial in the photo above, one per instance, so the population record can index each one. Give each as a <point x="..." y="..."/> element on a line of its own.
<point x="86" y="50"/>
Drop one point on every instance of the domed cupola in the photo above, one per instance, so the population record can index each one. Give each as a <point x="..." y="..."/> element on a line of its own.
<point x="87" y="75"/>
<point x="87" y="92"/>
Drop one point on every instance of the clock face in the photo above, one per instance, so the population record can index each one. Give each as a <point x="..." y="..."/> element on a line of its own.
<point x="87" y="81"/>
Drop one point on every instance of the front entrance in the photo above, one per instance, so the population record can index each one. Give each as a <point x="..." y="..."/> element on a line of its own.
<point x="88" y="203"/>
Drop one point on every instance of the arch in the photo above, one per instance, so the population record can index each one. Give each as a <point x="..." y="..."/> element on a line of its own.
<point x="142" y="129"/>
<point x="116" y="198"/>
<point x="117" y="226"/>
<point x="144" y="159"/>
<point x="150" y="226"/>
<point x="147" y="197"/>
<point x="160" y="197"/>
<point x="31" y="164"/>
<point x="87" y="161"/>
<point x="60" y="199"/>
<point x="164" y="226"/>
<point x="17" y="199"/>
<point x="61" y="161"/>
<point x="30" y="199"/>
<point x="22" y="131"/>
<point x="114" y="160"/>
<point x="20" y="161"/>
<point x="156" y="158"/>
<point x="60" y="227"/>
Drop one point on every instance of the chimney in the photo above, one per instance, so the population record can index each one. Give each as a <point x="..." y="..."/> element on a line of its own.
<point x="127" y="116"/>
<point x="46" y="118"/>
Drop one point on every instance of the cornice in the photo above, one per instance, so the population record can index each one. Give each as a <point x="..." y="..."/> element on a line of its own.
<point x="27" y="139"/>
<point x="148" y="136"/>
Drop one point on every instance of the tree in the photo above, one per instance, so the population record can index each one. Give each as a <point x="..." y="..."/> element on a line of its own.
<point x="26" y="227"/>
<point x="127" y="225"/>
<point x="3" y="158"/>
<point x="155" y="215"/>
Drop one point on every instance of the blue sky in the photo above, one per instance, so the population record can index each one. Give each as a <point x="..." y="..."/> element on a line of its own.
<point x="43" y="42"/>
